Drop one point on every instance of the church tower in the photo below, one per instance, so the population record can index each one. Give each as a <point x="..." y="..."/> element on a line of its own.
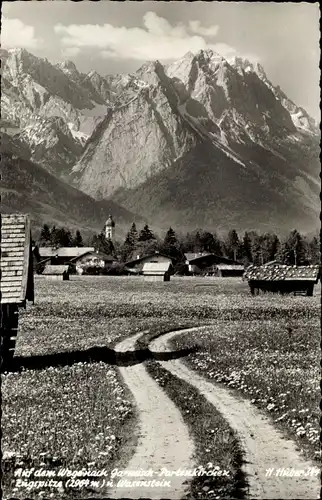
<point x="110" y="228"/>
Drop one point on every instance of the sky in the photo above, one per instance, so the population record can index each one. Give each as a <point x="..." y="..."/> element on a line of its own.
<point x="118" y="37"/>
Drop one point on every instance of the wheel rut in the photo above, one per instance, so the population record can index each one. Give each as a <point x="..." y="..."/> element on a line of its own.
<point x="163" y="440"/>
<point x="264" y="446"/>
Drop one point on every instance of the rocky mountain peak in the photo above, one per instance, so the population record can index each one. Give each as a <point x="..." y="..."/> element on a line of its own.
<point x="18" y="61"/>
<point x="210" y="55"/>
<point x="68" y="67"/>
<point x="94" y="75"/>
<point x="245" y="65"/>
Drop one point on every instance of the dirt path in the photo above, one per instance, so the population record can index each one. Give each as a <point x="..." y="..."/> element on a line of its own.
<point x="163" y="437"/>
<point x="264" y="446"/>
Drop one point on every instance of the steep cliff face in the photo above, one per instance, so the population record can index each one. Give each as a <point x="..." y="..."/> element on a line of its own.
<point x="140" y="136"/>
<point x="299" y="116"/>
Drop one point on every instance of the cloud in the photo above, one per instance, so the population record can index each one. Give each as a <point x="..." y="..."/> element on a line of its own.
<point x="14" y="33"/>
<point x="71" y="51"/>
<point x="158" y="39"/>
<point x="195" y="27"/>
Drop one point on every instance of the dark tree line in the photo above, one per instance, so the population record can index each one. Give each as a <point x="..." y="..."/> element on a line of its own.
<point x="59" y="237"/>
<point x="249" y="248"/>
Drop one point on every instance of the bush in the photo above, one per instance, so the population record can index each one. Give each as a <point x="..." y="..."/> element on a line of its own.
<point x="117" y="269"/>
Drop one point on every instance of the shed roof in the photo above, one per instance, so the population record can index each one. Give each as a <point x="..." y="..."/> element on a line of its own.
<point x="16" y="277"/>
<point x="195" y="255"/>
<point x="56" y="270"/>
<point x="278" y="272"/>
<point x="69" y="252"/>
<point x="208" y="258"/>
<point x="148" y="256"/>
<point x="230" y="267"/>
<point x="156" y="268"/>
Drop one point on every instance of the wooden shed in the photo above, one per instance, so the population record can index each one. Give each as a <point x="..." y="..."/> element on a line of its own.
<point x="278" y="278"/>
<point x="16" y="278"/>
<point x="157" y="271"/>
<point x="57" y="273"/>
<point x="230" y="270"/>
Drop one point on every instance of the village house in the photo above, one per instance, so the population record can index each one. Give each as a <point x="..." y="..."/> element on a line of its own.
<point x="16" y="277"/>
<point x="278" y="278"/>
<point x="93" y="260"/>
<point x="136" y="265"/>
<point x="56" y="273"/>
<point x="212" y="264"/>
<point x="195" y="261"/>
<point x="59" y="256"/>
<point x="157" y="271"/>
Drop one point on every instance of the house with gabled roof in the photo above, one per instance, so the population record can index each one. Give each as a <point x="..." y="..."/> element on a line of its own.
<point x="16" y="276"/>
<point x="136" y="266"/>
<point x="210" y="263"/>
<point x="92" y="260"/>
<point x="61" y="255"/>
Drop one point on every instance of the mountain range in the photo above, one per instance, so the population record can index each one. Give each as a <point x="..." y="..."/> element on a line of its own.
<point x="201" y="142"/>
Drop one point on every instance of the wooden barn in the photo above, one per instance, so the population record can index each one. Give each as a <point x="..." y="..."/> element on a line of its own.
<point x="229" y="270"/>
<point x="56" y="273"/>
<point x="136" y="266"/>
<point x="278" y="278"/>
<point x="157" y="271"/>
<point x="16" y="278"/>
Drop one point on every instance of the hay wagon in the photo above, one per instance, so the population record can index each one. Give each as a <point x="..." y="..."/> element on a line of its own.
<point x="16" y="279"/>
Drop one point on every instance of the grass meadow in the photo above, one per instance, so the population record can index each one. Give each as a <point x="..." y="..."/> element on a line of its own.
<point x="78" y="414"/>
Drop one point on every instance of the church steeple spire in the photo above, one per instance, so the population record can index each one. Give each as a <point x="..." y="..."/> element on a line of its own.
<point x="110" y="228"/>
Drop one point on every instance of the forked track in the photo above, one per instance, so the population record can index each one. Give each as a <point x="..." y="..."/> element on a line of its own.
<point x="164" y="439"/>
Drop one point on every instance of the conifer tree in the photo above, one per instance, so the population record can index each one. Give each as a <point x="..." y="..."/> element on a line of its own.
<point x="78" y="240"/>
<point x="133" y="235"/>
<point x="170" y="238"/>
<point x="130" y="244"/>
<point x="45" y="236"/>
<point x="247" y="249"/>
<point x="297" y="248"/>
<point x="314" y="251"/>
<point x="232" y="244"/>
<point x="146" y="234"/>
